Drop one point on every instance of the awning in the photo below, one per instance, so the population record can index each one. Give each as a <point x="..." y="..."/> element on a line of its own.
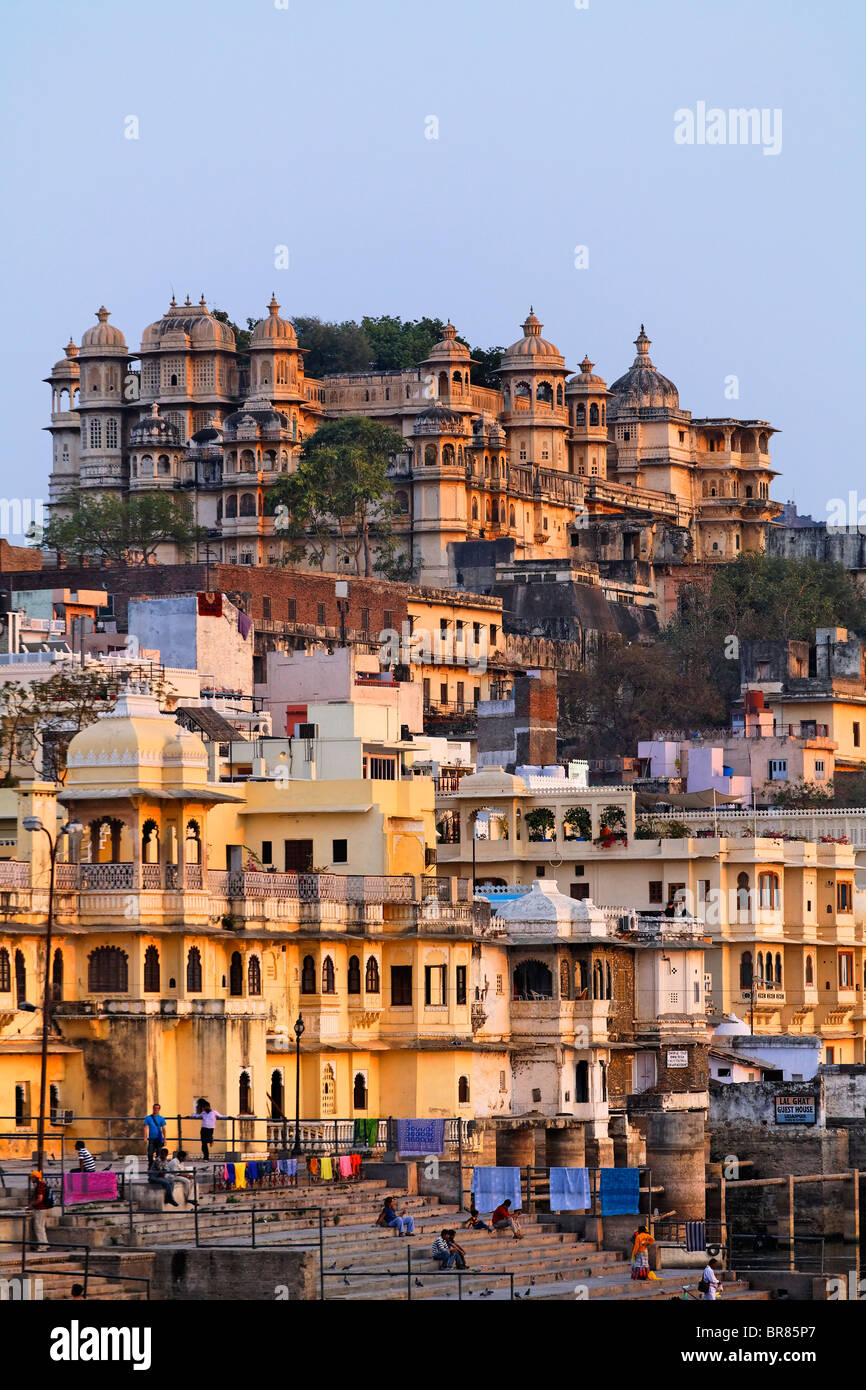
<point x="687" y="801"/>
<point x="153" y="793"/>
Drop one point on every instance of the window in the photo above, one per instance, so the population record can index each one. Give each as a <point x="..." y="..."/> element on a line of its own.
<point x="20" y="978"/>
<point x="819" y="769"/>
<point x="656" y="890"/>
<point x="810" y="971"/>
<point x="434" y="985"/>
<point x="276" y="1096"/>
<point x="22" y="1105"/>
<point x="844" y="896"/>
<point x="111" y="433"/>
<point x="151" y="970"/>
<point x="371" y="976"/>
<point x="320" y="614"/>
<point x="328" y="986"/>
<point x="107" y="970"/>
<point x="193" y="971"/>
<point x="846" y="969"/>
<point x="778" y="769"/>
<point x="856" y="729"/>
<point x="329" y="1090"/>
<point x="5" y="972"/>
<point x="365" y="620"/>
<point x="236" y="975"/>
<point x="499" y="986"/>
<point x="746" y="970"/>
<point x="382" y="769"/>
<point x="254" y="975"/>
<point x="463" y="1090"/>
<point x="354" y="976"/>
<point x="266" y="607"/>
<point x="460" y="987"/>
<point x="292" y="610"/>
<point x="401" y="984"/>
<point x="359" y="1091"/>
<point x="340" y="852"/>
<point x="297" y="856"/>
<point x="579" y="891"/>
<point x="503" y="1085"/>
<point x="388" y="618"/>
<point x="308" y="976"/>
<point x="581" y="1083"/>
<point x="778" y="978"/>
<point x="245" y="1093"/>
<point x="768" y="890"/>
<point x="267" y="852"/>
<point x="96" y="434"/>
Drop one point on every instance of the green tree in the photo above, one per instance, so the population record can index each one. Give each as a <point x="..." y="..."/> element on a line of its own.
<point x="332" y="347"/>
<point x="487" y="363"/>
<point x="37" y="721"/>
<point x="243" y="336"/>
<point x="797" y="796"/>
<point x="124" y="531"/>
<point x="341" y="487"/>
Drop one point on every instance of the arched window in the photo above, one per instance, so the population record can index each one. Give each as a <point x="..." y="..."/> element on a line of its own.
<point x="254" y="975"/>
<point x="447" y="455"/>
<point x="150" y="842"/>
<point x="430" y="455"/>
<point x="231" y="506"/>
<point x="308" y="976"/>
<point x="463" y="1090"/>
<point x="761" y="965"/>
<point x="329" y="1090"/>
<point x="608" y="994"/>
<point x="107" y="970"/>
<point x="20" y="978"/>
<point x="5" y="971"/>
<point x="778" y="968"/>
<point x="402" y="500"/>
<point x="810" y="971"/>
<point x="742" y="892"/>
<point x="511" y="519"/>
<point x="523" y="389"/>
<point x="502" y="512"/>
<point x="746" y="970"/>
<point x="580" y="415"/>
<point x="559" y="394"/>
<point x="327" y="976"/>
<point x="597" y="981"/>
<point x="277" y="1111"/>
<point x="193" y="971"/>
<point x="371" y="980"/>
<point x="354" y="982"/>
<point x="581" y="1083"/>
<point x="57" y="976"/>
<point x="581" y="979"/>
<point x="236" y="975"/>
<point x="532" y="980"/>
<point x="602" y="1071"/>
<point x="245" y="1093"/>
<point x="474" y="508"/>
<point x="443" y="383"/>
<point x="593" y="414"/>
<point x="359" y="1091"/>
<point x="151" y="970"/>
<point x="768" y="890"/>
<point x="248" y="504"/>
<point x="544" y="392"/>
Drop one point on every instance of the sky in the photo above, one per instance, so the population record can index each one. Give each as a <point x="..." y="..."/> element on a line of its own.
<point x="451" y="160"/>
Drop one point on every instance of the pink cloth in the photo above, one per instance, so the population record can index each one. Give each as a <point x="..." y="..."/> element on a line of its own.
<point x="89" y="1187"/>
<point x="345" y="1166"/>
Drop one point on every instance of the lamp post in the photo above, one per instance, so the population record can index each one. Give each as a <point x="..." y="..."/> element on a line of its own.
<point x="299" y="1028"/>
<point x="33" y="823"/>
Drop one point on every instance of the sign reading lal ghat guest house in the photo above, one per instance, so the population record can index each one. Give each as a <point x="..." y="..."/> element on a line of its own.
<point x="794" y="1109"/>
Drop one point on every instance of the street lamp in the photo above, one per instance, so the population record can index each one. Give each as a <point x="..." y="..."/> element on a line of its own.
<point x="33" y="823"/>
<point x="299" y="1028"/>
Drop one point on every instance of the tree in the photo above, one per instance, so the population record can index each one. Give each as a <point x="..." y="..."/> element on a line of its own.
<point x="797" y="796"/>
<point x="341" y="486"/>
<point x="38" y="721"/>
<point x="125" y="531"/>
<point x="243" y="336"/>
<point x="332" y="347"/>
<point x="487" y="363"/>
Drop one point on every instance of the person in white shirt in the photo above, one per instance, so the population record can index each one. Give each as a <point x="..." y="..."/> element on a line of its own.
<point x="207" y="1118"/>
<point x="713" y="1285"/>
<point x="179" y="1174"/>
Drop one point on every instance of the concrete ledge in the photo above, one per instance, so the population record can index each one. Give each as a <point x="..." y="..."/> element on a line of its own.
<point x="223" y="1275"/>
<point x="403" y="1176"/>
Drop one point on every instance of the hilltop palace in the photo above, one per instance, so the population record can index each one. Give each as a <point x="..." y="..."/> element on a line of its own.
<point x="537" y="466"/>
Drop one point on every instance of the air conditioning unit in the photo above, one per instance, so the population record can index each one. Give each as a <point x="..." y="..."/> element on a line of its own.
<point x="62" y="1117"/>
<point x="308" y="731"/>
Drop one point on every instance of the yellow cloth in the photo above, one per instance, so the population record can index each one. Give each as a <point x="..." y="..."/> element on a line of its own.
<point x="327" y="1168"/>
<point x="240" y="1175"/>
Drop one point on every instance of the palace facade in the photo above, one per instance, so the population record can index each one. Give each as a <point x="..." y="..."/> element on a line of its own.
<point x="528" y="465"/>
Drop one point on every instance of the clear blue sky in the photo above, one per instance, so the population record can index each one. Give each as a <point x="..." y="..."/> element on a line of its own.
<point x="305" y="126"/>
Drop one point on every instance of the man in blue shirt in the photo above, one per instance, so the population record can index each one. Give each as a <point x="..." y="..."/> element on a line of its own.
<point x="155" y="1127"/>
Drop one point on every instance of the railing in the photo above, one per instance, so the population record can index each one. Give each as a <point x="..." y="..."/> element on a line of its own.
<point x="15" y="873"/>
<point x="310" y="887"/>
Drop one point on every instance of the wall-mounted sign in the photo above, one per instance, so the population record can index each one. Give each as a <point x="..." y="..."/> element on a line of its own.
<point x="795" y="1110"/>
<point x="679" y="1058"/>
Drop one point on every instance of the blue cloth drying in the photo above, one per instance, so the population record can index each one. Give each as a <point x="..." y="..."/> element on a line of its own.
<point x="252" y="1172"/>
<point x="293" y="1167"/>
<point x="569" y="1189"/>
<point x="490" y="1186"/>
<point x="283" y="1165"/>
<point x="420" y="1137"/>
<point x="619" y="1191"/>
<point x="696" y="1235"/>
<point x="230" y="1174"/>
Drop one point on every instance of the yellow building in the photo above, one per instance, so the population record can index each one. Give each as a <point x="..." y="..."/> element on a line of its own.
<point x="785" y="944"/>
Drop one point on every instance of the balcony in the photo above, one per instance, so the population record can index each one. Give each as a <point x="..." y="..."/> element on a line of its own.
<point x="585" y="1020"/>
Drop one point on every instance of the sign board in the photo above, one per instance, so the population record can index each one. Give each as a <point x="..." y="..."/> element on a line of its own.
<point x="679" y="1058"/>
<point x="793" y="1109"/>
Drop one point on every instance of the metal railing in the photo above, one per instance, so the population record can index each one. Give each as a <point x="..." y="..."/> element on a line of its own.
<point x="412" y="1272"/>
<point x="27" y="1267"/>
<point x="535" y="1183"/>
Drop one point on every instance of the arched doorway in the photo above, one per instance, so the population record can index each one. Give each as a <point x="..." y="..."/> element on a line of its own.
<point x="532" y="980"/>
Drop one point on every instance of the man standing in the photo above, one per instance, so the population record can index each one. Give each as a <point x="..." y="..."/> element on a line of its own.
<point x="42" y="1202"/>
<point x="710" y="1284"/>
<point x="155" y="1128"/>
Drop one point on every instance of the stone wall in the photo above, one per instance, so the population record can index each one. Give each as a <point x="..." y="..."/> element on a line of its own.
<point x="220" y="1275"/>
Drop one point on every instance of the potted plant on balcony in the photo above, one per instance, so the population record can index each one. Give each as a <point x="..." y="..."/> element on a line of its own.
<point x="612" y="829"/>
<point x="577" y="823"/>
<point x="540" y="822"/>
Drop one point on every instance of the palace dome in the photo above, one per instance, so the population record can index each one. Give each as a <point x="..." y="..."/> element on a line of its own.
<point x="532" y="345"/>
<point x="437" y="418"/>
<point x="154" y="429"/>
<point x="134" y="744"/>
<point x="103" y="337"/>
<point x="274" y="329"/>
<point x="642" y="386"/>
<point x="196" y="321"/>
<point x="67" y="366"/>
<point x="448" y="347"/>
<point x="586" y="378"/>
<point x="546" y="912"/>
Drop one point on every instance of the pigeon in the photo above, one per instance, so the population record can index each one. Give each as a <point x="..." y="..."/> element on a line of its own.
<point x="345" y="1280"/>
<point x="517" y="1295"/>
<point x="332" y="1265"/>
<point x="527" y="1293"/>
<point x="532" y="1278"/>
<point x="418" y="1284"/>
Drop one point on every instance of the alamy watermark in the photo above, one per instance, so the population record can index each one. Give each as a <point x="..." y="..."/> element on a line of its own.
<point x="739" y="125"/>
<point x="463" y="647"/>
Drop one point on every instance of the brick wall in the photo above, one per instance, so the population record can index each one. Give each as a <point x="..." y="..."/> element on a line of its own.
<point x="19" y="558"/>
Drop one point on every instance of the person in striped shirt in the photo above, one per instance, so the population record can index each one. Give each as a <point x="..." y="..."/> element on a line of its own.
<point x="86" y="1161"/>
